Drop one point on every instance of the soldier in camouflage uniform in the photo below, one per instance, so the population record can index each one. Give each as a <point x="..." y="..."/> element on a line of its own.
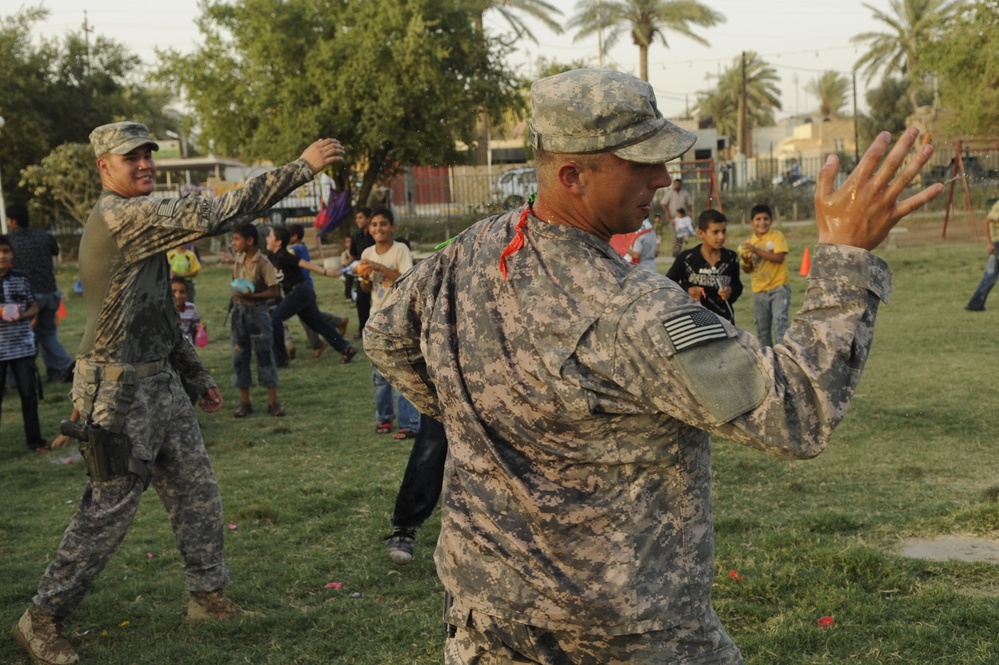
<point x="578" y="394"/>
<point x="138" y="377"/>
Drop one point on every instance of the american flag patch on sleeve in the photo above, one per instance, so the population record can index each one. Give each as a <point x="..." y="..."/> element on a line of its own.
<point x="693" y="329"/>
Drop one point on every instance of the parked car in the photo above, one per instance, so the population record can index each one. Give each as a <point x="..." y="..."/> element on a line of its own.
<point x="514" y="186"/>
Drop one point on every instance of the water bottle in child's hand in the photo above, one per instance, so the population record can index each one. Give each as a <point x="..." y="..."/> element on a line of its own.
<point x="201" y="337"/>
<point x="240" y="285"/>
<point x="11" y="312"/>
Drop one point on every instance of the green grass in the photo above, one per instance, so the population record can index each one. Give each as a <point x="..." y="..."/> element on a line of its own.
<point x="311" y="496"/>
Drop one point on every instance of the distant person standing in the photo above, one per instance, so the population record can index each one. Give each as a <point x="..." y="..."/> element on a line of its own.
<point x="381" y="265"/>
<point x="977" y="302"/>
<point x="677" y="197"/>
<point x="17" y="344"/>
<point x="184" y="263"/>
<point x="360" y="241"/>
<point x="34" y="250"/>
<point x="764" y="255"/>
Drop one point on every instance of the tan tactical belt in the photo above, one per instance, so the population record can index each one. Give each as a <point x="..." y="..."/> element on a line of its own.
<point x="117" y="372"/>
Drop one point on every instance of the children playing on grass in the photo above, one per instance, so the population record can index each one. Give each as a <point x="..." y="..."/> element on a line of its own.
<point x="17" y="343"/>
<point x="381" y="265"/>
<point x="299" y="297"/>
<point x="316" y="343"/>
<point x="764" y="256"/>
<point x="709" y="272"/>
<point x="251" y="321"/>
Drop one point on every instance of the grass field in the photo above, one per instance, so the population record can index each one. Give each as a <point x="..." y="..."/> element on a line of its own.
<point x="308" y="500"/>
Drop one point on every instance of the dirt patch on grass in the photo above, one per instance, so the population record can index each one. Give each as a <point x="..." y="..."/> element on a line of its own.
<point x="947" y="548"/>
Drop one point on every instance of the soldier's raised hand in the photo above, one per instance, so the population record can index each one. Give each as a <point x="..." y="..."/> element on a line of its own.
<point x="866" y="207"/>
<point x="322" y="153"/>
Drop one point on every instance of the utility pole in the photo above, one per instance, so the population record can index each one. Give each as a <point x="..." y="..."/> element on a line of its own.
<point x="743" y="128"/>
<point x="86" y="38"/>
<point x="856" y="139"/>
<point x="600" y="35"/>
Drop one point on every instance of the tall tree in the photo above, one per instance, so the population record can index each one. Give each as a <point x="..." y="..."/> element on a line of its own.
<point x="832" y="89"/>
<point x="719" y="108"/>
<point x="56" y="91"/>
<point x="888" y="107"/>
<point x="645" y="20"/>
<point x="509" y="9"/>
<point x="966" y="60"/>
<point x="65" y="181"/>
<point x="912" y="28"/>
<point x="397" y="81"/>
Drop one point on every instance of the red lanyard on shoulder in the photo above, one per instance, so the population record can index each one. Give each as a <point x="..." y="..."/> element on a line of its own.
<point x="517" y="242"/>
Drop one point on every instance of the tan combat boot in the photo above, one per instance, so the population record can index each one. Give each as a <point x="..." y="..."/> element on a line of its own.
<point x="40" y="634"/>
<point x="208" y="605"/>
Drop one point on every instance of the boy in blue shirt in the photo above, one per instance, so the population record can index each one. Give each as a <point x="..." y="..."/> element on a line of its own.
<point x="17" y="342"/>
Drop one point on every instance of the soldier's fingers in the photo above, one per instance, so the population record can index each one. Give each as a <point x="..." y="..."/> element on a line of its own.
<point x="918" y="200"/>
<point x="872" y="157"/>
<point x="896" y="157"/>
<point x="911" y="170"/>
<point x="827" y="177"/>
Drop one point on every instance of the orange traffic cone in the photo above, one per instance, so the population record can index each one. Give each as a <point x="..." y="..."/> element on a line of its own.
<point x="806" y="264"/>
<point x="61" y="313"/>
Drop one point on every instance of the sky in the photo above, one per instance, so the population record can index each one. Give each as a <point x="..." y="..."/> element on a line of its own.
<point x="799" y="38"/>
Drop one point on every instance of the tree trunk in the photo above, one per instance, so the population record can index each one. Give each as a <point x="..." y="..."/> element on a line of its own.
<point x="643" y="60"/>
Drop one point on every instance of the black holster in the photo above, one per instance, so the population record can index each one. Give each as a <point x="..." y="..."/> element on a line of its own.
<point x="106" y="455"/>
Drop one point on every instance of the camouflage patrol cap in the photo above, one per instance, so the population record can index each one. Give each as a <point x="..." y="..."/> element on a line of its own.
<point x="119" y="138"/>
<point x="602" y="110"/>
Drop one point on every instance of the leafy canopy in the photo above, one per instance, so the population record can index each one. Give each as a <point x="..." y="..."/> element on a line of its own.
<point x="66" y="179"/>
<point x="397" y="81"/>
<point x="52" y="93"/>
<point x="966" y="60"/>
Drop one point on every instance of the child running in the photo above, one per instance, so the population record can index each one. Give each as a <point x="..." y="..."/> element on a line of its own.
<point x="299" y="297"/>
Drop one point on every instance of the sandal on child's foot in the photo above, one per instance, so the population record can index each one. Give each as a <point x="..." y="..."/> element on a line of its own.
<point x="276" y="410"/>
<point x="244" y="409"/>
<point x="348" y="355"/>
<point x="404" y="434"/>
<point x="383" y="428"/>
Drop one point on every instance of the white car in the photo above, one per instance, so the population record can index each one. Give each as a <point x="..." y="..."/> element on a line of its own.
<point x="514" y="186"/>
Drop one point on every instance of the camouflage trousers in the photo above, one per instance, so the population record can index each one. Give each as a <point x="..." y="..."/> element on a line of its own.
<point x="161" y="421"/>
<point x="486" y="640"/>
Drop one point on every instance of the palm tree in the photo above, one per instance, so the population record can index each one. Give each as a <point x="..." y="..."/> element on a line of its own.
<point x="913" y="27"/>
<point x="720" y="107"/>
<point x="831" y="88"/>
<point x="539" y="9"/>
<point x="645" y="20"/>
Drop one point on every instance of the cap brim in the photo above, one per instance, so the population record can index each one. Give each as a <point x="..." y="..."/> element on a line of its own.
<point x="664" y="145"/>
<point x="131" y="144"/>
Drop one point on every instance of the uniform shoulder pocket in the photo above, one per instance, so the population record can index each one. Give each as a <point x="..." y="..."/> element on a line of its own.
<point x="718" y="369"/>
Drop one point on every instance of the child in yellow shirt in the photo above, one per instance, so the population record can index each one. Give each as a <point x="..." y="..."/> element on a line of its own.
<point x="764" y="256"/>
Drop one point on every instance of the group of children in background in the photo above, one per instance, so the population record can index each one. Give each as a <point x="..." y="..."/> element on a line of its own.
<point x="710" y="272"/>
